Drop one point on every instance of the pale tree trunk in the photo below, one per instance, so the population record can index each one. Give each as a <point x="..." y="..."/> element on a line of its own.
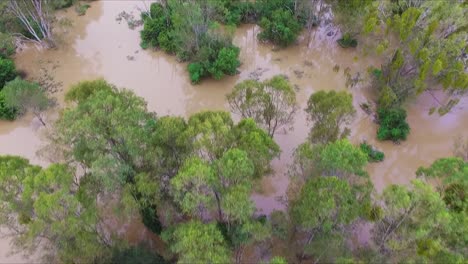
<point x="35" y="17"/>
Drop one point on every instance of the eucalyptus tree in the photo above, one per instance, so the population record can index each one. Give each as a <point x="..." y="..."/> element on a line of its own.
<point x="49" y="209"/>
<point x="24" y="96"/>
<point x="36" y="17"/>
<point x="271" y="103"/>
<point x="330" y="113"/>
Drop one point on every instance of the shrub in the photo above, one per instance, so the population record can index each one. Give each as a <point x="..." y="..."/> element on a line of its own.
<point x="6" y="112"/>
<point x="196" y="72"/>
<point x="154" y="24"/>
<point x="59" y="4"/>
<point x="7" y="45"/>
<point x="81" y="9"/>
<point x="226" y="63"/>
<point x="281" y="29"/>
<point x="393" y="124"/>
<point x="347" y="41"/>
<point x="7" y="71"/>
<point x="373" y="155"/>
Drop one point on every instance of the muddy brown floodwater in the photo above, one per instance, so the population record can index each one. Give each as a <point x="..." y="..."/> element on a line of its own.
<point x="96" y="45"/>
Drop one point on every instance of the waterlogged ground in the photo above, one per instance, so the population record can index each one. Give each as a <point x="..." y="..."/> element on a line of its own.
<point x="96" y="45"/>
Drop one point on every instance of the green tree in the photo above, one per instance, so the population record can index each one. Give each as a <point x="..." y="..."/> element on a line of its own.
<point x="281" y="28"/>
<point x="225" y="185"/>
<point x="198" y="242"/>
<point x="272" y="103"/>
<point x="108" y="132"/>
<point x="79" y="92"/>
<point x="187" y="29"/>
<point x="451" y="176"/>
<point x="431" y="42"/>
<point x="26" y="96"/>
<point x="43" y="206"/>
<point x="329" y="112"/>
<point x="214" y="133"/>
<point x="324" y="204"/>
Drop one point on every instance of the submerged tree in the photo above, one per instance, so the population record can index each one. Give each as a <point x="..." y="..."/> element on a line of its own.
<point x="324" y="205"/>
<point x="414" y="223"/>
<point x="198" y="242"/>
<point x="49" y="207"/>
<point x="330" y="112"/>
<point x="26" y="96"/>
<point x="272" y="103"/>
<point x="431" y="47"/>
<point x="36" y="17"/>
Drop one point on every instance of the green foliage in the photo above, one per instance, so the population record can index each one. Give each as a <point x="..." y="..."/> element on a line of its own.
<point x="272" y="103"/>
<point x="330" y="112"/>
<point x="47" y="205"/>
<point x="373" y="154"/>
<point x="226" y="63"/>
<point x="393" y="124"/>
<point x="414" y="219"/>
<point x="278" y="260"/>
<point x="7" y="71"/>
<point x="59" y="4"/>
<point x="79" y="92"/>
<point x="453" y="173"/>
<point x="186" y="29"/>
<point x="156" y="24"/>
<point x="136" y="255"/>
<point x="6" y="112"/>
<point x="347" y="41"/>
<point x="7" y="45"/>
<point x="430" y="48"/>
<point x="198" y="242"/>
<point x="341" y="158"/>
<point x="23" y="96"/>
<point x="81" y="9"/>
<point x="111" y="140"/>
<point x="196" y="72"/>
<point x="281" y="28"/>
<point x="323" y="204"/>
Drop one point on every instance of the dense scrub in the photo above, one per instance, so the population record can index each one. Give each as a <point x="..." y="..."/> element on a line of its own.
<point x="393" y="124"/>
<point x="373" y="154"/>
<point x="188" y="31"/>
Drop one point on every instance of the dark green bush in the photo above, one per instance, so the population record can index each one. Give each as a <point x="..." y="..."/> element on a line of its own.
<point x="226" y="63"/>
<point x="155" y="24"/>
<point x="347" y="41"/>
<point x="59" y="4"/>
<point x="150" y="219"/>
<point x="6" y="112"/>
<point x="7" y="71"/>
<point x="373" y="155"/>
<point x="196" y="72"/>
<point x="281" y="28"/>
<point x="212" y="54"/>
<point x="393" y="124"/>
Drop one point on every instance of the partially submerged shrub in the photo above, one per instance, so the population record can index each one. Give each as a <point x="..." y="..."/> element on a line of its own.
<point x="347" y="41"/>
<point x="373" y="155"/>
<point x="393" y="125"/>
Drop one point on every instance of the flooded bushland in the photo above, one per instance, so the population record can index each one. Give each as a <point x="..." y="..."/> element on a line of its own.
<point x="98" y="46"/>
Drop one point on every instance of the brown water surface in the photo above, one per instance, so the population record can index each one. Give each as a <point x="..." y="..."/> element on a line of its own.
<point x="98" y="46"/>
